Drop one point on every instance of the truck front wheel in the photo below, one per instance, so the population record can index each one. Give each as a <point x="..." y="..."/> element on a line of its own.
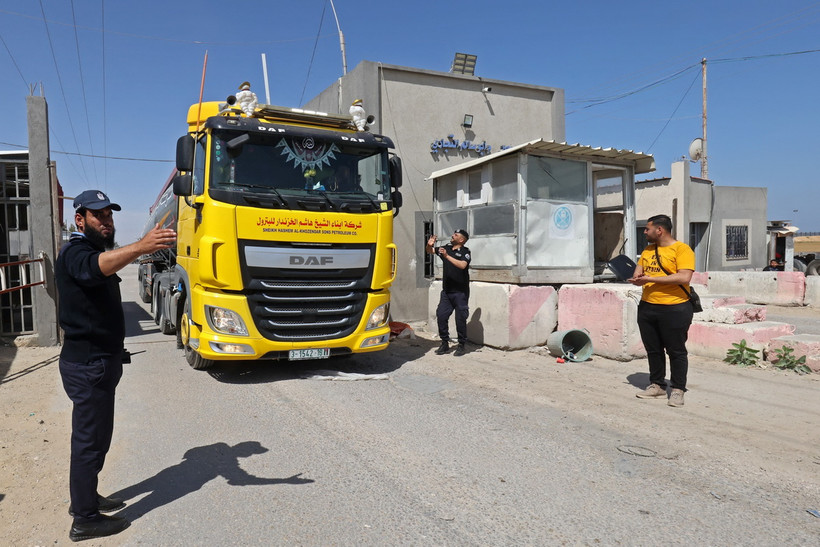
<point x="191" y="356"/>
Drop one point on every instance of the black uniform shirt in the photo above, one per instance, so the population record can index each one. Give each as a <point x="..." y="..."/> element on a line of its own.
<point x="455" y="279"/>
<point x="90" y="303"/>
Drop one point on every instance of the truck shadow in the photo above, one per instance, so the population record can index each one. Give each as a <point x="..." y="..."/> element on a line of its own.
<point x="135" y="319"/>
<point x="399" y="352"/>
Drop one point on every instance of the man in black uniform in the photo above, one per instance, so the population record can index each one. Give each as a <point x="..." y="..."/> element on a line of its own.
<point x="455" y="293"/>
<point x="91" y="358"/>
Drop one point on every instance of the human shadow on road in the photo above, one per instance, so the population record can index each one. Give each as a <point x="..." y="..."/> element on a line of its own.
<point x="199" y="465"/>
<point x="638" y="379"/>
<point x="399" y="352"/>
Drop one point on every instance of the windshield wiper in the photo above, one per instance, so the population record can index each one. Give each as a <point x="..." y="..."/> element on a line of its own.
<point x="260" y="187"/>
<point x="324" y="195"/>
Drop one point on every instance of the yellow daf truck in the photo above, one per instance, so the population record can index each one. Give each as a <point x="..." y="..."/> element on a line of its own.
<point x="285" y="236"/>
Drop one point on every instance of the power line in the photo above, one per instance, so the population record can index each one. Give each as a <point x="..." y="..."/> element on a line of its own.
<point x="123" y="158"/>
<point x="755" y="57"/>
<point x="20" y="72"/>
<point x="62" y="89"/>
<point x="312" y="55"/>
<point x="161" y="39"/>
<point x="82" y="86"/>
<point x="673" y="113"/>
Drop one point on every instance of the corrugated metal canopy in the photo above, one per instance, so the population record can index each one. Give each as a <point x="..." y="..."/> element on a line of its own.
<point x="644" y="163"/>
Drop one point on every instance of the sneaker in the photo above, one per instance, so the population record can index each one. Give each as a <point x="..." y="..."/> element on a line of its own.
<point x="459" y="351"/>
<point x="652" y="392"/>
<point x="676" y="398"/>
<point x="443" y="348"/>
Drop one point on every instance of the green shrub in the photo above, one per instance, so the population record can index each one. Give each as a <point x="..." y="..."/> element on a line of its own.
<point x="786" y="360"/>
<point x="742" y="355"/>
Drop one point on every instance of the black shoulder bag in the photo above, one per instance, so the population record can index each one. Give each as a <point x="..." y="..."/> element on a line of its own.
<point x="694" y="298"/>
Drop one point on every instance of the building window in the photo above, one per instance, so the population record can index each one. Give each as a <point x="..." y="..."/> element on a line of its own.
<point x="429" y="260"/>
<point x="737" y="242"/>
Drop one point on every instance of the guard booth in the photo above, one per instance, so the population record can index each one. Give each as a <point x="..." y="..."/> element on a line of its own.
<point x="539" y="214"/>
<point x="542" y="212"/>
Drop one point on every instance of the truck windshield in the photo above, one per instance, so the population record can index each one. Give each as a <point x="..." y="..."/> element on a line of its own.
<point x="297" y="165"/>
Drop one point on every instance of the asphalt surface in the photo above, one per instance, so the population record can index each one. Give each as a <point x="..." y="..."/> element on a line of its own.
<point x="255" y="454"/>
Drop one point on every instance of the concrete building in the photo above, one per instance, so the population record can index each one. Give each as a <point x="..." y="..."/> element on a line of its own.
<point x="724" y="225"/>
<point x="439" y="120"/>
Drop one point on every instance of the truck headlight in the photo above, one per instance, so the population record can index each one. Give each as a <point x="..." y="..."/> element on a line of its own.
<point x="225" y="321"/>
<point x="378" y="317"/>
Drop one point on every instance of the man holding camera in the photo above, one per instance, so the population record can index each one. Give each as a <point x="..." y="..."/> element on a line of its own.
<point x="455" y="293"/>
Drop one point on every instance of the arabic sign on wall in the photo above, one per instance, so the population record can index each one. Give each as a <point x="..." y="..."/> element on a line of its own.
<point x="452" y="143"/>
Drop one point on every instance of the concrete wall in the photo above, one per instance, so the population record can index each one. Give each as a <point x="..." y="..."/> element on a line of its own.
<point x="415" y="107"/>
<point x="736" y="205"/>
<point x="503" y="315"/>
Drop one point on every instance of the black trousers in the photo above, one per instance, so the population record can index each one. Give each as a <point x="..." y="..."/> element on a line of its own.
<point x="666" y="328"/>
<point x="90" y="386"/>
<point x="449" y="302"/>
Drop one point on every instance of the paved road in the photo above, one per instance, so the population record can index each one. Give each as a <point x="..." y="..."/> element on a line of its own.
<point x="258" y="455"/>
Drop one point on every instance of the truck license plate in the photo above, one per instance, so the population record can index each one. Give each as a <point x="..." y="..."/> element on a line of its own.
<point x="313" y="353"/>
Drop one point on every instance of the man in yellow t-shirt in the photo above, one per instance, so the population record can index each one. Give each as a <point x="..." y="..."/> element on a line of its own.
<point x="665" y="313"/>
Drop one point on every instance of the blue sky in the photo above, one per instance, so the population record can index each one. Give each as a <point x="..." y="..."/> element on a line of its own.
<point x="119" y="76"/>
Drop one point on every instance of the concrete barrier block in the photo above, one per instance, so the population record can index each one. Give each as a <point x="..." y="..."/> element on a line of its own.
<point x="782" y="288"/>
<point x="803" y="344"/>
<point x="700" y="279"/>
<point x="812" y="297"/>
<point x="721" y="300"/>
<point x="715" y="339"/>
<point x="732" y="314"/>
<point x="609" y="312"/>
<point x="502" y="315"/>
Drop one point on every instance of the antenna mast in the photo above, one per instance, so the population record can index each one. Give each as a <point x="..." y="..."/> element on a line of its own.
<point x="341" y="39"/>
<point x="704" y="162"/>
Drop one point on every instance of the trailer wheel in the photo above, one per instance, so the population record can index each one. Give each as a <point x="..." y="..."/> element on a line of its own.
<point x="144" y="296"/>
<point x="194" y="359"/>
<point x="814" y="267"/>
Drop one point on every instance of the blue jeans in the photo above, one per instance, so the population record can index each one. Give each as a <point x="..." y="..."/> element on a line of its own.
<point x="90" y="386"/>
<point x="666" y="328"/>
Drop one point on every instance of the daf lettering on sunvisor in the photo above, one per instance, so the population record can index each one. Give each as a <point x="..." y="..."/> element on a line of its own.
<point x="311" y="260"/>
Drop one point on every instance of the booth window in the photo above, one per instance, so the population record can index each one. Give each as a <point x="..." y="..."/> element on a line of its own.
<point x="556" y="179"/>
<point x="737" y="242"/>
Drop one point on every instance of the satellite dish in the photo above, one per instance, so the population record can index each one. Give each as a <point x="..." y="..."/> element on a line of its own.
<point x="696" y="149"/>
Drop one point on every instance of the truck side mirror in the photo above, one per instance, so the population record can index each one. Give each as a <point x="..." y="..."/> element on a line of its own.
<point x="396" y="198"/>
<point x="183" y="185"/>
<point x="395" y="171"/>
<point x="185" y="153"/>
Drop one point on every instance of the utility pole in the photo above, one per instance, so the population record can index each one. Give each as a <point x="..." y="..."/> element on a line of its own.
<point x="704" y="160"/>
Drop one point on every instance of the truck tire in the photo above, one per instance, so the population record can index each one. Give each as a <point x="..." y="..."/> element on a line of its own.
<point x="144" y="296"/>
<point x="165" y="325"/>
<point x="814" y="267"/>
<point x="194" y="359"/>
<point x="156" y="304"/>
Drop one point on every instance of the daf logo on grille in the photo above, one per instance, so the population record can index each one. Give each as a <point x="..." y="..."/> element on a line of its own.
<point x="310" y="260"/>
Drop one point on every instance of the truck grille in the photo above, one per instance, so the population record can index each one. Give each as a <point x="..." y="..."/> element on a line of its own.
<point x="282" y="311"/>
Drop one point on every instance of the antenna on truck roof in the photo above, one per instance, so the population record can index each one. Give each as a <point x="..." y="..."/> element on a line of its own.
<point x="201" y="90"/>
